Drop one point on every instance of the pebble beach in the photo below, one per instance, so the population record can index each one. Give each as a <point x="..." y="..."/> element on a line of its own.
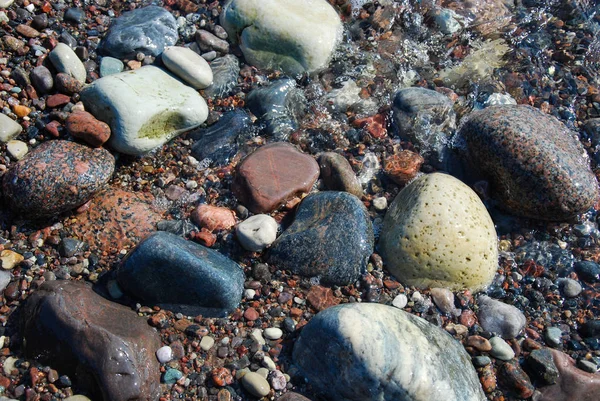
<point x="299" y="200"/>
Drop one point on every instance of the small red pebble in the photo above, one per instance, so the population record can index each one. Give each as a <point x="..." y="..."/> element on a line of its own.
<point x="375" y="125"/>
<point x="83" y="125"/>
<point x="321" y="298"/>
<point x="222" y="377"/>
<point x="251" y="314"/>
<point x="52" y="128"/>
<point x="205" y="237"/>
<point x="213" y="218"/>
<point x="57" y="100"/>
<point x="403" y="166"/>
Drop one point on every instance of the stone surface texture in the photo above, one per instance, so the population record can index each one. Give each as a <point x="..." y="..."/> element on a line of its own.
<point x="106" y="346"/>
<point x="284" y="34"/>
<point x="438" y="233"/>
<point x="180" y="275"/>
<point x="376" y="352"/>
<point x="55" y="177"/>
<point x="272" y="175"/>
<point x="144" y="108"/>
<point x="536" y="166"/>
<point x="331" y="238"/>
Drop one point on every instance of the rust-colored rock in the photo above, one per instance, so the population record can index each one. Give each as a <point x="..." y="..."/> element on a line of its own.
<point x="105" y="346"/>
<point x="321" y="298"/>
<point x="57" y="100"/>
<point x="21" y="111"/>
<point x="213" y="217"/>
<point x="514" y="379"/>
<point x="27" y="31"/>
<point x="479" y="343"/>
<point x="487" y="377"/>
<point x="272" y="175"/>
<point x="222" y="377"/>
<point x="116" y="219"/>
<point x="251" y="314"/>
<point x="403" y="166"/>
<point x="67" y="84"/>
<point x="573" y="383"/>
<point x="83" y="125"/>
<point x="374" y="125"/>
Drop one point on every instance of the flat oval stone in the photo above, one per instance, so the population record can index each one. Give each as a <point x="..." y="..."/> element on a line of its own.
<point x="182" y="276"/>
<point x="67" y="325"/>
<point x="66" y="61"/>
<point x="188" y="65"/>
<point x="55" y="177"/>
<point x="144" y="108"/>
<point x="537" y="167"/>
<point x="331" y="238"/>
<point x="148" y="30"/>
<point x="367" y="351"/>
<point x="272" y="175"/>
<point x="255" y="384"/>
<point x="438" y="233"/>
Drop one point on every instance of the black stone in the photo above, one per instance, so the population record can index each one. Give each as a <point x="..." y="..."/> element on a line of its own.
<point x="67" y="39"/>
<point x="40" y="21"/>
<point x="71" y="246"/>
<point x="219" y="142"/>
<point x="280" y="106"/>
<point x="331" y="238"/>
<point x="182" y="276"/>
<point x="76" y="15"/>
<point x="588" y="271"/>
<point x="590" y="329"/>
<point x="541" y="366"/>
<point x="148" y="30"/>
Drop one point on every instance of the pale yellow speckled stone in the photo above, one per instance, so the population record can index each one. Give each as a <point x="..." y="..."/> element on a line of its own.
<point x="438" y="233"/>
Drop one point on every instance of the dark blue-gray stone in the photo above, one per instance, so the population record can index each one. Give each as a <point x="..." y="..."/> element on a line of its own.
<point x="330" y="238"/>
<point x="368" y="352"/>
<point x="148" y="30"/>
<point x="75" y="15"/>
<point x="427" y="119"/>
<point x="182" y="276"/>
<point x="536" y="166"/>
<point x="225" y="76"/>
<point x="280" y="106"/>
<point x="219" y="142"/>
<point x="588" y="271"/>
<point x="591" y="328"/>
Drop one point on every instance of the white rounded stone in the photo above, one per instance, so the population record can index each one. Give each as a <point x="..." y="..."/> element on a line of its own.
<point x="268" y="363"/>
<point x="9" y="128"/>
<point x="164" y="354"/>
<point x="273" y="333"/>
<point x="257" y="232"/>
<point x="207" y="343"/>
<point x="188" y="65"/>
<point x="255" y="384"/>
<point x="65" y="60"/>
<point x="17" y="149"/>
<point x="291" y="35"/>
<point x="438" y="233"/>
<point x="249" y="293"/>
<point x="400" y="301"/>
<point x="144" y="108"/>
<point x="6" y="3"/>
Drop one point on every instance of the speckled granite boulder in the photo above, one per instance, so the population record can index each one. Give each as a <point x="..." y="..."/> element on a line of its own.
<point x="364" y="352"/>
<point x="103" y="345"/>
<point x="182" y="276"/>
<point x="331" y="238"/>
<point x="144" y="108"/>
<point x="536" y="166"/>
<point x="55" y="177"/>
<point x="148" y="30"/>
<point x="294" y="36"/>
<point x="438" y="233"/>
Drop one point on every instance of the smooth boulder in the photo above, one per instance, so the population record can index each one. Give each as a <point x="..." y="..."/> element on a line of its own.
<point x="103" y="345"/>
<point x="294" y="36"/>
<point x="438" y="233"/>
<point x="182" y="276"/>
<point x="537" y="167"/>
<point x="144" y="108"/>
<point x="364" y="352"/>
<point x="330" y="238"/>
<point x="56" y="177"/>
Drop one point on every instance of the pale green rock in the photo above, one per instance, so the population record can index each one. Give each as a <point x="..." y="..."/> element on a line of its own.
<point x="9" y="128"/>
<point x="291" y="35"/>
<point x="188" y="65"/>
<point x="65" y="60"/>
<point x="255" y="384"/>
<point x="6" y="3"/>
<point x="144" y="108"/>
<point x="438" y="233"/>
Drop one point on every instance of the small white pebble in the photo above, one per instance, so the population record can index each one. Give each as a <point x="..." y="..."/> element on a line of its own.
<point x="400" y="301"/>
<point x="273" y="333"/>
<point x="17" y="149"/>
<point x="191" y="184"/>
<point x="380" y="203"/>
<point x="257" y="337"/>
<point x="249" y="293"/>
<point x="269" y="364"/>
<point x="207" y="343"/>
<point x="164" y="354"/>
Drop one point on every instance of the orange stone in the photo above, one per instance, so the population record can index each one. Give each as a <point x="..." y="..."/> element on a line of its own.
<point x="21" y="111"/>
<point x="403" y="166"/>
<point x="321" y="298"/>
<point x="213" y="217"/>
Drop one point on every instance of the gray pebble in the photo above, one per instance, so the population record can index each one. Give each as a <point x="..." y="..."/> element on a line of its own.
<point x="255" y="384"/>
<point x="553" y="336"/>
<point x="501" y="350"/>
<point x="570" y="287"/>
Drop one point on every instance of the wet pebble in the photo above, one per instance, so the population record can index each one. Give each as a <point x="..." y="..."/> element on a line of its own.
<point x="337" y="174"/>
<point x="588" y="271"/>
<point x="570" y="287"/>
<point x="164" y="354"/>
<point x="225" y="70"/>
<point x="500" y="349"/>
<point x="553" y="336"/>
<point x="83" y="125"/>
<point x="542" y="365"/>
<point x="110" y="65"/>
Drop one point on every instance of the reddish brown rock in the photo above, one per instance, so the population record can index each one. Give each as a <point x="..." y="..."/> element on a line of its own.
<point x="27" y="31"/>
<point x="57" y="100"/>
<point x="213" y="217"/>
<point x="105" y="346"/>
<point x="222" y="377"/>
<point x="514" y="379"/>
<point x="116" y="219"/>
<point x="375" y="125"/>
<point x="273" y="174"/>
<point x="321" y="298"/>
<point x="573" y="383"/>
<point x="487" y="377"/>
<point x="53" y="128"/>
<point x="251" y="314"/>
<point x="403" y="166"/>
<point x="55" y="177"/>
<point x="83" y="125"/>
<point x="479" y="343"/>
<point x="67" y="84"/>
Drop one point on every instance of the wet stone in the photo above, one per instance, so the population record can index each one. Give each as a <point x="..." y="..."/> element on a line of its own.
<point x="67" y="84"/>
<point x="542" y="366"/>
<point x="219" y="142"/>
<point x="591" y="328"/>
<point x="572" y="383"/>
<point x="588" y="271"/>
<point x="515" y="379"/>
<point x="502" y="141"/>
<point x="110" y="65"/>
<point x="76" y="15"/>
<point x="337" y="174"/>
<point x="181" y="276"/>
<point x="103" y="345"/>
<point x="83" y="125"/>
<point x="331" y="347"/>
<point x="272" y="175"/>
<point x="225" y="76"/>
<point x="55" y="177"/>
<point x="147" y="30"/>
<point x="280" y="105"/>
<point x="403" y="166"/>
<point x="331" y="238"/>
